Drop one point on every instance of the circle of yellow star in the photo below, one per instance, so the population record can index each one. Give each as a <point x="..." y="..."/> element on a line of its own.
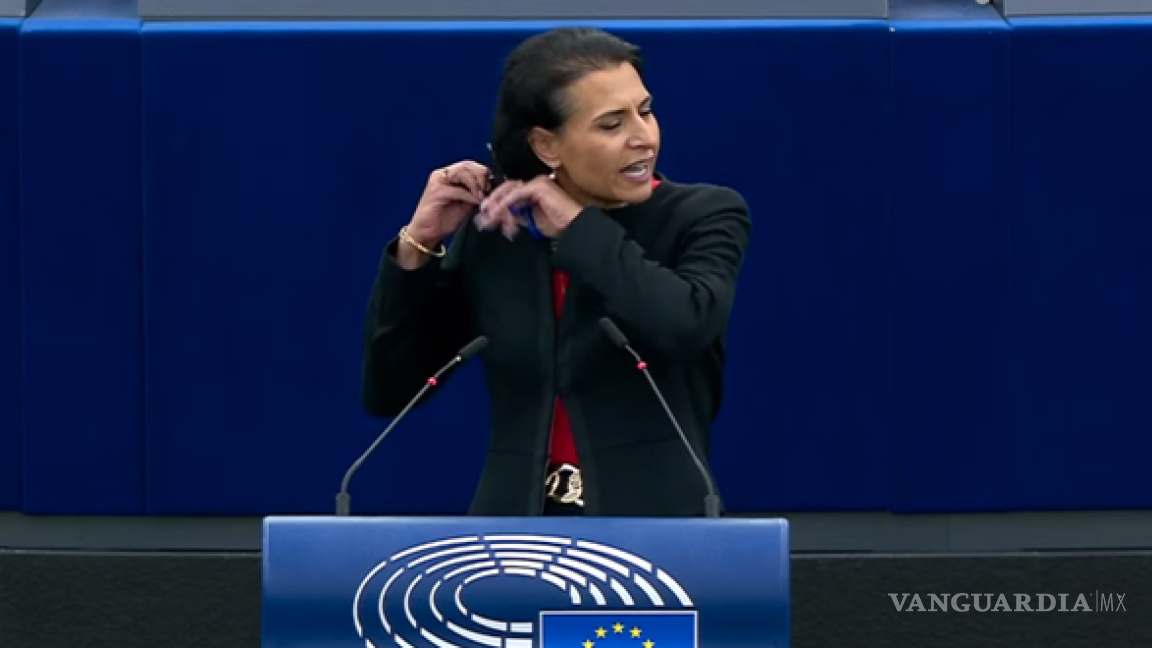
<point x="588" y="643"/>
<point x="618" y="628"/>
<point x="601" y="633"/>
<point x="635" y="633"/>
<point x="648" y="644"/>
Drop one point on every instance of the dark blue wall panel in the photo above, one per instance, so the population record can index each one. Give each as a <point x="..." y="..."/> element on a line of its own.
<point x="267" y="204"/>
<point x="11" y="463"/>
<point x="81" y="256"/>
<point x="278" y="162"/>
<point x="1081" y="307"/>
<point x="795" y="116"/>
<point x="951" y="80"/>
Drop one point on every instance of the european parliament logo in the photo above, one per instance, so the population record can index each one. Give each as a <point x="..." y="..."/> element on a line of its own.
<point x="522" y="591"/>
<point x="618" y="630"/>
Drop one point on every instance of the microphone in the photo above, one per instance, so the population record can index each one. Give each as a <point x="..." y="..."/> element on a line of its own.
<point x="711" y="501"/>
<point x="343" y="500"/>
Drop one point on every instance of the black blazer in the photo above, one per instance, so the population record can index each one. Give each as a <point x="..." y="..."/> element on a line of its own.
<point x="665" y="271"/>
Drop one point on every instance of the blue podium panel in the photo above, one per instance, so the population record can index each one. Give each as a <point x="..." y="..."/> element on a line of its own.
<point x="525" y="583"/>
<point x="268" y="203"/>
<point x="1081" y="352"/>
<point x="81" y="266"/>
<point x="10" y="460"/>
<point x="950" y="211"/>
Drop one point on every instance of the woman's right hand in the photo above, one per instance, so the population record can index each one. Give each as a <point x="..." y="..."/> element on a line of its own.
<point x="449" y="195"/>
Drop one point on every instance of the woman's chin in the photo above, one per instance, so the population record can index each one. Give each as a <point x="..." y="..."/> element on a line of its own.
<point x="619" y="195"/>
<point x="635" y="194"/>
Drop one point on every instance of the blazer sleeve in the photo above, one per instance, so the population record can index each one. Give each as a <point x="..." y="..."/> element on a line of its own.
<point x="675" y="310"/>
<point x="416" y="321"/>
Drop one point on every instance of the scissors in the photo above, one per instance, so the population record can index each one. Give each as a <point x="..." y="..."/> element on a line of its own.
<point x="496" y="177"/>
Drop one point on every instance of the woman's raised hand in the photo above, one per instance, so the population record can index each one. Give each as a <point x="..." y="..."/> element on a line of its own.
<point x="450" y="194"/>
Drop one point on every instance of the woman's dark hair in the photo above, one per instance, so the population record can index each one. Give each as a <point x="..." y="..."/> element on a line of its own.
<point x="533" y="84"/>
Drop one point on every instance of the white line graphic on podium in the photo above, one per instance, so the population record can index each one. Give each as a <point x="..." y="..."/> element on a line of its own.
<point x="430" y="580"/>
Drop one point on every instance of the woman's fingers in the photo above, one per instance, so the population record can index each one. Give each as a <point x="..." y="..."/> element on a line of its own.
<point x="456" y="193"/>
<point x="498" y="199"/>
<point x="468" y="175"/>
<point x="495" y="210"/>
<point x="502" y="220"/>
<point x="475" y="177"/>
<point x="510" y="196"/>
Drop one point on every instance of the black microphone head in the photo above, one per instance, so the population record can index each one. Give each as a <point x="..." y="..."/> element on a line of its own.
<point x="473" y="347"/>
<point x="613" y="332"/>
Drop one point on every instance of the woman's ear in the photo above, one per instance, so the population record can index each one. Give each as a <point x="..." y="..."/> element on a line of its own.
<point x="545" y="145"/>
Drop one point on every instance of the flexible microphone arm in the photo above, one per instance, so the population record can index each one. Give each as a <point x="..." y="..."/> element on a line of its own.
<point x="711" y="501"/>
<point x="343" y="499"/>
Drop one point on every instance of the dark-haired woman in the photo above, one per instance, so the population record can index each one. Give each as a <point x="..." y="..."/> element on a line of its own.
<point x="583" y="228"/>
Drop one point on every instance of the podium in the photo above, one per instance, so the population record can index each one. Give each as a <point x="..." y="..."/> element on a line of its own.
<point x="507" y="582"/>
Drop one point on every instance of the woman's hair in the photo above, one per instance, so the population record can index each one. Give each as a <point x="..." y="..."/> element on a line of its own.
<point x="533" y="89"/>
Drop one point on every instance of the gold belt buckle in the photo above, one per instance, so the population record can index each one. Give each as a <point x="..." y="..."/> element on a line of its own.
<point x="573" y="487"/>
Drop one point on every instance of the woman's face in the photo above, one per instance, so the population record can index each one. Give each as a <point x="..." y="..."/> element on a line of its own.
<point x="607" y="148"/>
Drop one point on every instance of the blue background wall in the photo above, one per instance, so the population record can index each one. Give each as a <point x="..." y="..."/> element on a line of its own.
<point x="1080" y="306"/>
<point x="943" y="308"/>
<point x="10" y="456"/>
<point x="81" y="266"/>
<point x="950" y="213"/>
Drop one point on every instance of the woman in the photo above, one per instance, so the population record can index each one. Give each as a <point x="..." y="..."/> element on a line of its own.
<point x="583" y="228"/>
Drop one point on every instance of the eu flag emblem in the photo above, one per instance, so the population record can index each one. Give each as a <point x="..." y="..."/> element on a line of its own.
<point x="633" y="629"/>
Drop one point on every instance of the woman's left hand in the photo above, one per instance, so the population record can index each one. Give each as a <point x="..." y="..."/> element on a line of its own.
<point x="552" y="208"/>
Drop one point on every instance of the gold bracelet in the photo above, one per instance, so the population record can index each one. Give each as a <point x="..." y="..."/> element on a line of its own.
<point x="407" y="238"/>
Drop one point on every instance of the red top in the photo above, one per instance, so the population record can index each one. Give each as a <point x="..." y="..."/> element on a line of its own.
<point x="563" y="449"/>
